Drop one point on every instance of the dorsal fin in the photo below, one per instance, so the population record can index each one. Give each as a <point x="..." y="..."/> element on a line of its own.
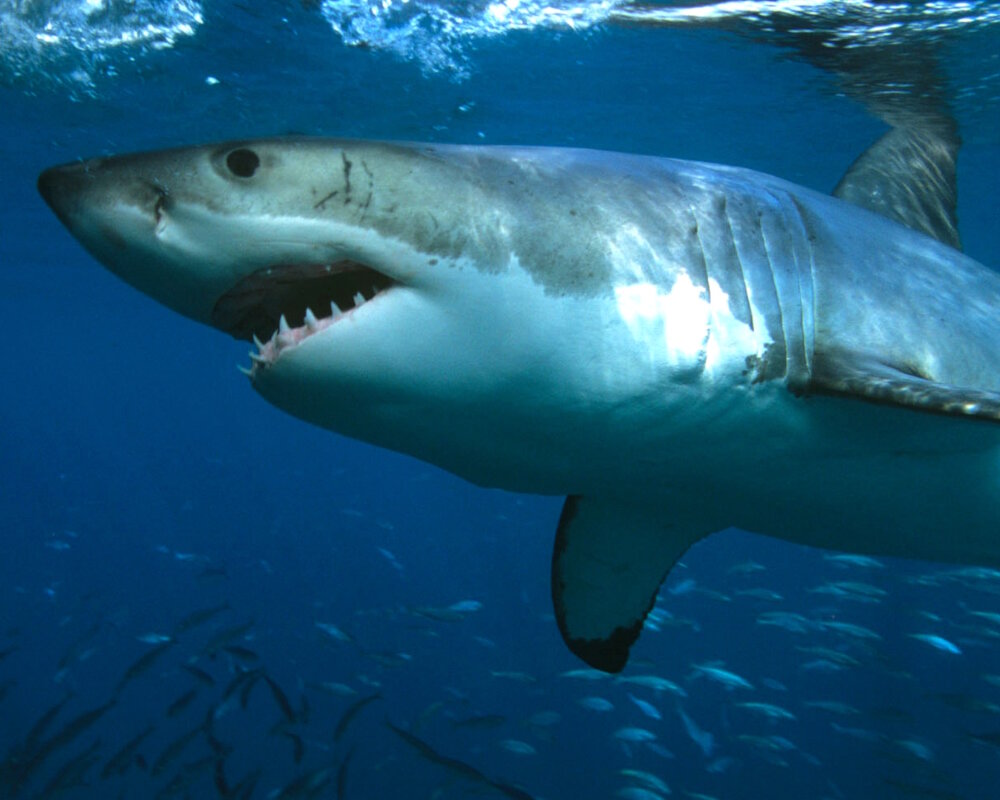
<point x="908" y="175"/>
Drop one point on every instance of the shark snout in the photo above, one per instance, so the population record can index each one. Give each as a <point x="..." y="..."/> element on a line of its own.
<point x="61" y="187"/>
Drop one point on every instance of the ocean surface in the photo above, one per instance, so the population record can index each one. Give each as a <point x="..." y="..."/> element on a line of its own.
<point x="203" y="597"/>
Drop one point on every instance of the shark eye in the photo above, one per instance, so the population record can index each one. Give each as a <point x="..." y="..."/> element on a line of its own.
<point x="243" y="163"/>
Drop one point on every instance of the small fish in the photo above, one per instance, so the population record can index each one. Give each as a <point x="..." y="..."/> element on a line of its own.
<point x="794" y="623"/>
<point x="862" y="734"/>
<point x="938" y="642"/>
<point x="154" y="638"/>
<point x="717" y="766"/>
<point x="990" y="616"/>
<point x="728" y="679"/>
<point x="702" y="738"/>
<point x="518" y="747"/>
<point x="646" y="779"/>
<point x="334" y="688"/>
<point x="199" y="674"/>
<point x="596" y="704"/>
<point x="446" y="614"/>
<point x="57" y="544"/>
<point x="311" y="784"/>
<point x="173" y="750"/>
<point x="242" y="653"/>
<point x="821" y="665"/>
<point x="240" y="681"/>
<point x="120" y="762"/>
<point x="461" y="768"/>
<point x="683" y="587"/>
<point x="646" y="708"/>
<point x="298" y="746"/>
<point x="388" y="556"/>
<point x="849" y="629"/>
<point x="42" y="724"/>
<point x="836" y="656"/>
<point x="466" y="606"/>
<point x="198" y="618"/>
<point x="194" y="558"/>
<point x="746" y="568"/>
<point x="768" y="710"/>
<point x="992" y="739"/>
<point x="342" y="776"/>
<point x="759" y="593"/>
<point x="632" y="734"/>
<point x="334" y="632"/>
<point x="918" y="749"/>
<point x="143" y="664"/>
<point x="586" y="674"/>
<point x="351" y="712"/>
<point x="852" y="560"/>
<point x="72" y="774"/>
<point x="660" y="750"/>
<point x="654" y="682"/>
<point x="280" y="698"/>
<point x="774" y="744"/>
<point x="181" y="703"/>
<point x="833" y="706"/>
<point x="224" y="637"/>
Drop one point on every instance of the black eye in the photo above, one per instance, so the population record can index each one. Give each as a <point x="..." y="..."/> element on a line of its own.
<point x="243" y="163"/>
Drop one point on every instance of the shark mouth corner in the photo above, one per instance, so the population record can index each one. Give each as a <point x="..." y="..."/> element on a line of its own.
<point x="279" y="306"/>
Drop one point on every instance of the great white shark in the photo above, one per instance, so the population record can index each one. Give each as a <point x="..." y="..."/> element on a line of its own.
<point x="676" y="347"/>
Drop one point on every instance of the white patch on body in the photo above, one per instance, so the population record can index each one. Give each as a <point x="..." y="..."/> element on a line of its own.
<point x="685" y="329"/>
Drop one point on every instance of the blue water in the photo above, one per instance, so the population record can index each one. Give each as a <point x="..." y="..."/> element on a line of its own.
<point x="142" y="479"/>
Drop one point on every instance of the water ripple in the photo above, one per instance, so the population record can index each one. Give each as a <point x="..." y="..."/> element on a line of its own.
<point x="68" y="43"/>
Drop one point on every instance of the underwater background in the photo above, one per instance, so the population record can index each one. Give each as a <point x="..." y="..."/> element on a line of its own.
<point x="203" y="597"/>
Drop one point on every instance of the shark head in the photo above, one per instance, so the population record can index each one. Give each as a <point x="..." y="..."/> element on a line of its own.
<point x="387" y="286"/>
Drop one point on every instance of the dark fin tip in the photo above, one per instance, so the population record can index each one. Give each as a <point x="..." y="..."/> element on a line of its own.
<point x="607" y="655"/>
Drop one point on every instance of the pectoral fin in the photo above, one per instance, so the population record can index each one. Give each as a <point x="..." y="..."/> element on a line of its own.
<point x="609" y="561"/>
<point x="866" y="378"/>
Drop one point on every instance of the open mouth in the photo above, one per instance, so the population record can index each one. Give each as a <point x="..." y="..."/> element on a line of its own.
<point x="279" y="306"/>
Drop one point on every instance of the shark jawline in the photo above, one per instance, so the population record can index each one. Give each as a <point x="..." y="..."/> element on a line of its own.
<point x="255" y="306"/>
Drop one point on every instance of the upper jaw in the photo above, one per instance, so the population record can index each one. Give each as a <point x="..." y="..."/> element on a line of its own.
<point x="302" y="295"/>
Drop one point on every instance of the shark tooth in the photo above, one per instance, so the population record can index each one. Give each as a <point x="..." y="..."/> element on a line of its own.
<point x="311" y="321"/>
